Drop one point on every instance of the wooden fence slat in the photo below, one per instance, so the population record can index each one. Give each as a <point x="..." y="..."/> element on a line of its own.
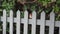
<point x="18" y="23"/>
<point x="26" y="22"/>
<point x="11" y="22"/>
<point x="4" y="21"/>
<point x="51" y="27"/>
<point x="42" y="26"/>
<point x="33" y="23"/>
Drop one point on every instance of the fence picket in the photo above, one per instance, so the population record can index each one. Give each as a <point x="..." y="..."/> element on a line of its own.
<point x="42" y="22"/>
<point x="4" y="21"/>
<point x="51" y="27"/>
<point x="42" y="26"/>
<point x="11" y="22"/>
<point x="26" y="22"/>
<point x="18" y="23"/>
<point x="33" y="22"/>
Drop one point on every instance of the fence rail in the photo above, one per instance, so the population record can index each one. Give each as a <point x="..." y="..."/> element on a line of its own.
<point x="42" y="22"/>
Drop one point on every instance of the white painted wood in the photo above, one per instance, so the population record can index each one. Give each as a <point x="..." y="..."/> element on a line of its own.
<point x="11" y="22"/>
<point x="59" y="30"/>
<point x="4" y="21"/>
<point x="42" y="22"/>
<point x="33" y="23"/>
<point x="26" y="22"/>
<point x="57" y="23"/>
<point x="42" y="26"/>
<point x="18" y="23"/>
<point x="51" y="26"/>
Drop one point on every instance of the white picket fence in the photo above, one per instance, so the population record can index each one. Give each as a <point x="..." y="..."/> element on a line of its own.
<point x="42" y="22"/>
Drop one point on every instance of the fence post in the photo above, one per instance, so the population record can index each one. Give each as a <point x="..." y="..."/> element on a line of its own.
<point x="33" y="22"/>
<point x="42" y="26"/>
<point x="51" y="26"/>
<point x="4" y="21"/>
<point x="11" y="22"/>
<point x="26" y="22"/>
<point x="18" y="23"/>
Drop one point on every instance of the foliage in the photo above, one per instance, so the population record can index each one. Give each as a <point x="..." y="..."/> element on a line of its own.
<point x="8" y="4"/>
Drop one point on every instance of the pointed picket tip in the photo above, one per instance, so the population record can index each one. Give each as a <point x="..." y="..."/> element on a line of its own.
<point x="34" y="15"/>
<point x="42" y="15"/>
<point x="34" y="12"/>
<point x="52" y="13"/>
<point x="11" y="11"/>
<point x="26" y="14"/>
<point x="18" y="12"/>
<point x="52" y="16"/>
<point x="26" y="11"/>
<point x="4" y="10"/>
<point x="42" y="12"/>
